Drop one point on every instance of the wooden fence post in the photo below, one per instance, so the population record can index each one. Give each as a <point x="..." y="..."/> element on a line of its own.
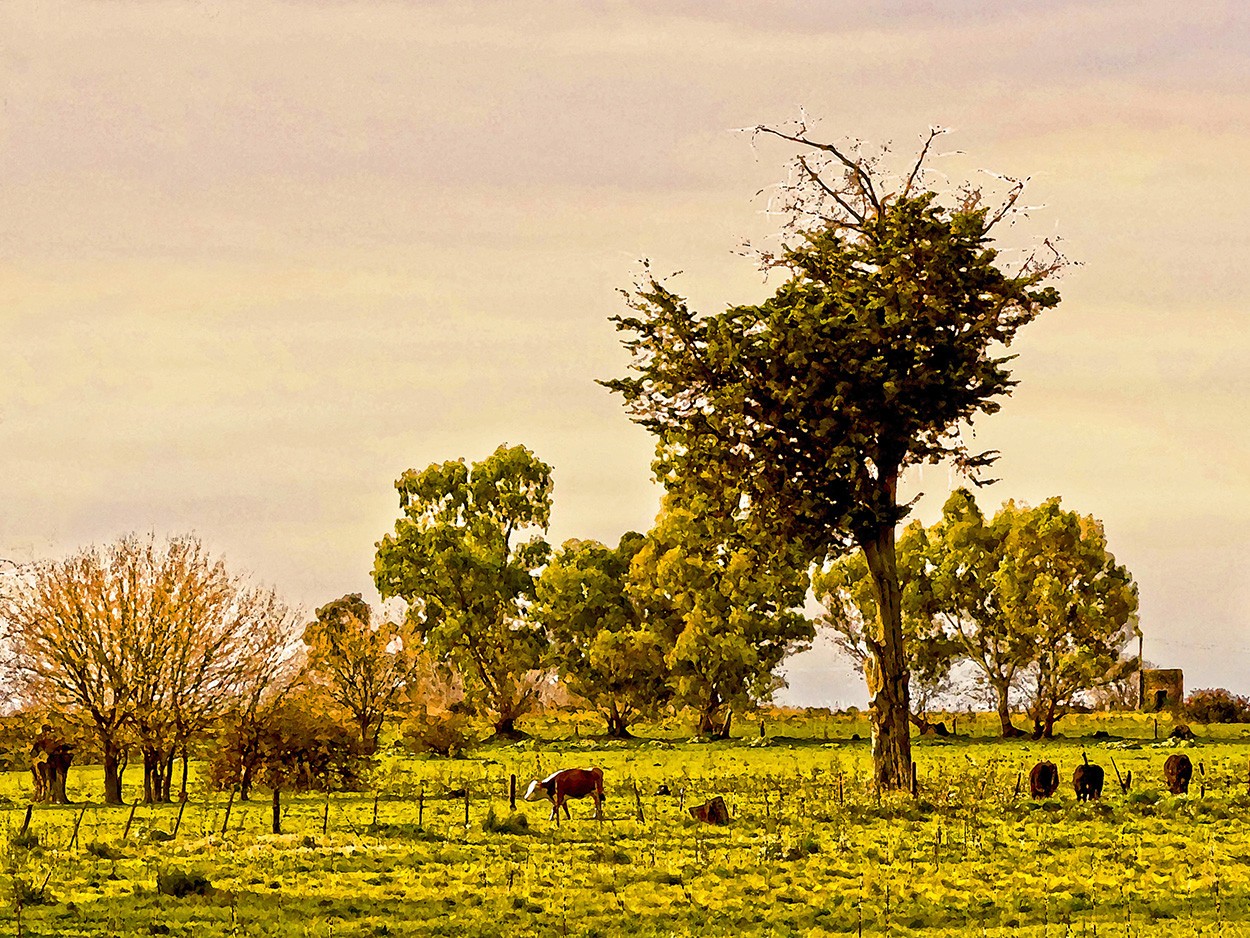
<point x="420" y="808"/>
<point x="277" y="811"/>
<point x="129" y="820"/>
<point x="512" y="792"/>
<point x="224" y="823"/>
<point x="466" y="807"/>
<point x="325" y="818"/>
<point x="73" y="838"/>
<point x="178" y="822"/>
<point x="30" y="810"/>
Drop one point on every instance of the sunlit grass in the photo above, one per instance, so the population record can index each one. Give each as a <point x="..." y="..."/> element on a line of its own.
<point x="811" y="849"/>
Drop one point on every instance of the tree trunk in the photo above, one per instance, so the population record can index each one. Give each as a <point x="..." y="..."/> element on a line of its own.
<point x="710" y="722"/>
<point x="58" y="775"/>
<point x="112" y="774"/>
<point x="1009" y="730"/>
<point x="618" y="727"/>
<point x="886" y="668"/>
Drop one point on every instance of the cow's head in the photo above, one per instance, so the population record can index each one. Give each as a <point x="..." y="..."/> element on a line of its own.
<point x="537" y="791"/>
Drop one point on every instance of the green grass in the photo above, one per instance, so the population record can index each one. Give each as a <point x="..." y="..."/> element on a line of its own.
<point x="811" y="848"/>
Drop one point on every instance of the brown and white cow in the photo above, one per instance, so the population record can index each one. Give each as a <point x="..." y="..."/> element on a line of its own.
<point x="558" y="787"/>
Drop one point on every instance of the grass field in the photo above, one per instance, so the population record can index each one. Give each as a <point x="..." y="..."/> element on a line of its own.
<point x="811" y="848"/>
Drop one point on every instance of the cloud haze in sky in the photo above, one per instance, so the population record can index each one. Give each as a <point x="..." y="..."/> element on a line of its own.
<point x="257" y="259"/>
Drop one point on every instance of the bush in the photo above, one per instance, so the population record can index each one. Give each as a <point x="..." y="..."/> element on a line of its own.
<point x="444" y="733"/>
<point x="511" y="824"/>
<point x="1217" y="705"/>
<point x="180" y="883"/>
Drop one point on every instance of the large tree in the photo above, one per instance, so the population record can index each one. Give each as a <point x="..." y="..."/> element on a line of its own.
<point x="604" y="645"/>
<point x="803" y="411"/>
<point x="458" y="559"/>
<point x="731" y="601"/>
<point x="367" y="665"/>
<point x="845" y="588"/>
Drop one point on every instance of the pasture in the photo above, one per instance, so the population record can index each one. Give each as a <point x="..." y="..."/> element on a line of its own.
<point x="810" y="849"/>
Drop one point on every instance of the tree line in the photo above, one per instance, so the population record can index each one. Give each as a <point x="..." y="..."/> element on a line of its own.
<point x="782" y="431"/>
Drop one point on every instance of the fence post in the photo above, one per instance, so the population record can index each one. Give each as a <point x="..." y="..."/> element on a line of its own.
<point x="420" y="808"/>
<point x="277" y="811"/>
<point x="325" y="818"/>
<point x="30" y="810"/>
<point x="224" y="824"/>
<point x="178" y="823"/>
<point x="512" y="792"/>
<point x="73" y="838"/>
<point x="466" y="807"/>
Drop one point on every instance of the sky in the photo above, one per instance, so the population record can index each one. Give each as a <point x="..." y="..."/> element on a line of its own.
<point x="258" y="258"/>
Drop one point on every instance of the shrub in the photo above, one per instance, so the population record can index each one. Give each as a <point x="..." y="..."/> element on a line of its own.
<point x="1217" y="705"/>
<point x="180" y="883"/>
<point x="104" y="850"/>
<point x="511" y="824"/>
<point x="443" y="733"/>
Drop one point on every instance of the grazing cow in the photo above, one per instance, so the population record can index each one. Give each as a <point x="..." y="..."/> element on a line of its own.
<point x="1044" y="780"/>
<point x="1178" y="770"/>
<point x="568" y="783"/>
<point x="1087" y="780"/>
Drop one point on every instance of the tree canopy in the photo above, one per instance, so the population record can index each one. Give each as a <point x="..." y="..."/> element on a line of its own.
<point x="367" y="665"/>
<point x="732" y="604"/>
<point x="457" y="558"/>
<point x="803" y="411"/>
<point x="604" y="645"/>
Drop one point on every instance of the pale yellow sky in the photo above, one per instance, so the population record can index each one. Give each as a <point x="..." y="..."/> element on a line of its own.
<point x="256" y="259"/>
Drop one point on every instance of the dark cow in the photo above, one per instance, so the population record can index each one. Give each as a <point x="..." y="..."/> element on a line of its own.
<point x="711" y="812"/>
<point x="568" y="783"/>
<point x="1044" y="780"/>
<point x="1087" y="780"/>
<point x="1178" y="770"/>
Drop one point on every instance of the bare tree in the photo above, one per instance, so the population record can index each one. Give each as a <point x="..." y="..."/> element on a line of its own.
<point x="151" y="641"/>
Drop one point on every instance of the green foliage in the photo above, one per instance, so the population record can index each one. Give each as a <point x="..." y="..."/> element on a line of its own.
<point x="1062" y="589"/>
<point x="454" y="559"/>
<point x="731" y="601"/>
<point x="607" y="646"/>
<point x="845" y="588"/>
<point x="801" y="412"/>
<point x="1032" y="598"/>
<point x="1217" y="705"/>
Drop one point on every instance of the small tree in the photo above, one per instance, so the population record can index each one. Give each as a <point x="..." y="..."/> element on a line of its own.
<point x="300" y="745"/>
<point x="1063" y="590"/>
<point x="966" y="555"/>
<point x="732" y="603"/>
<point x="457" y="559"/>
<point x="603" y="645"/>
<point x="367" y="665"/>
